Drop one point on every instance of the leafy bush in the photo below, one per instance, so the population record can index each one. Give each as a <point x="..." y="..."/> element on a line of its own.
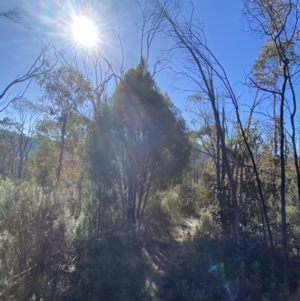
<point x="211" y="268"/>
<point x="158" y="217"/>
<point x="110" y="269"/>
<point x="36" y="228"/>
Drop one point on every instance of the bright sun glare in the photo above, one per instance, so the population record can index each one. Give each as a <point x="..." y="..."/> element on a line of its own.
<point x="84" y="31"/>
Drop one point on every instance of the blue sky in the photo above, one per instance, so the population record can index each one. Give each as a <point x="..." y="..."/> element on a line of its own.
<point x="226" y="32"/>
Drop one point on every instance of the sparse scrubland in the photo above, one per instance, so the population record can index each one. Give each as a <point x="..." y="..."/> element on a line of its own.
<point x="108" y="194"/>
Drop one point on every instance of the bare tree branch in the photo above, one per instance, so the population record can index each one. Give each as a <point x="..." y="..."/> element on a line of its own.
<point x="38" y="68"/>
<point x="14" y="15"/>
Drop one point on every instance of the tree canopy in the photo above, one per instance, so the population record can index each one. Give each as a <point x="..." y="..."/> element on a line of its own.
<point x="142" y="136"/>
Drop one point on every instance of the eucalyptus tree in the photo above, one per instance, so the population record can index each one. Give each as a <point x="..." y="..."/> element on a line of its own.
<point x="20" y="123"/>
<point x="209" y="138"/>
<point x="193" y="60"/>
<point x="64" y="91"/>
<point x="277" y="73"/>
<point x="197" y="63"/>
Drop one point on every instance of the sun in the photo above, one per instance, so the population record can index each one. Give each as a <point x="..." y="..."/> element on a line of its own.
<point x="84" y="31"/>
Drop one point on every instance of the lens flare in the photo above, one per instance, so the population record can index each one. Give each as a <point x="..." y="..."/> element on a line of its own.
<point x="230" y="292"/>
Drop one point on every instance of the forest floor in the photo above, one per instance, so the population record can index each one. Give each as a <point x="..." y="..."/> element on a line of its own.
<point x="158" y="253"/>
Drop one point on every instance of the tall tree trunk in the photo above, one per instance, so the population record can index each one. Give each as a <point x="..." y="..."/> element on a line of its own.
<point x="219" y="188"/>
<point x="259" y="186"/>
<point x="212" y="97"/>
<point x="283" y="185"/>
<point x="134" y="200"/>
<point x="99" y="210"/>
<point x="62" y="149"/>
<point x="293" y="113"/>
<point x="21" y="155"/>
<point x="130" y="199"/>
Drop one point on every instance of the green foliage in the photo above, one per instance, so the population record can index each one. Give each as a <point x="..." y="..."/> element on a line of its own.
<point x="193" y="275"/>
<point x="189" y="199"/>
<point x="160" y="215"/>
<point x="8" y="154"/>
<point x="206" y="268"/>
<point x="65" y="91"/>
<point x="42" y="167"/>
<point x="36" y="230"/>
<point x="267" y="68"/>
<point x="138" y="142"/>
<point x="110" y="269"/>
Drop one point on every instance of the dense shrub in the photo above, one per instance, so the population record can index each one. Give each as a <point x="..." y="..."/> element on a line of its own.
<point x="110" y="269"/>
